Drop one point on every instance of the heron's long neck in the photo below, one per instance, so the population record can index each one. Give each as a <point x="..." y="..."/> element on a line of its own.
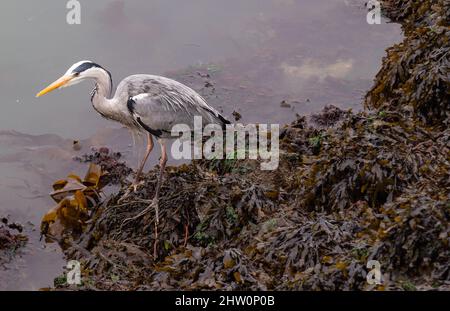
<point x="102" y="92"/>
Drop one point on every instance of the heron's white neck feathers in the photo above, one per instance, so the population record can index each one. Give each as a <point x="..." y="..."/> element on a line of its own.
<point x="103" y="82"/>
<point x="102" y="93"/>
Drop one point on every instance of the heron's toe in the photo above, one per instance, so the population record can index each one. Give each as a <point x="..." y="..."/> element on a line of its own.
<point x="154" y="203"/>
<point x="136" y="184"/>
<point x="124" y="196"/>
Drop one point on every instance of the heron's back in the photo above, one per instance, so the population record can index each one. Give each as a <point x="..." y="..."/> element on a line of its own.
<point x="159" y="103"/>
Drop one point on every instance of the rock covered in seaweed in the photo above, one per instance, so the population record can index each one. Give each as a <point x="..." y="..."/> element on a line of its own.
<point x="373" y="186"/>
<point x="415" y="75"/>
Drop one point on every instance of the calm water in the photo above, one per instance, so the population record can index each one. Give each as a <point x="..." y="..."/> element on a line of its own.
<point x="259" y="52"/>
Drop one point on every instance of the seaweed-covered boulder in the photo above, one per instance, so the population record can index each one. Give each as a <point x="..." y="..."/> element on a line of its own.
<point x="415" y="75"/>
<point x="370" y="157"/>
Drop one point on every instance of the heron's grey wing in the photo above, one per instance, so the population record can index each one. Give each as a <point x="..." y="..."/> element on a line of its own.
<point x="158" y="113"/>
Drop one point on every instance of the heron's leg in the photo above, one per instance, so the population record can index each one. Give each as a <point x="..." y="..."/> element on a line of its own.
<point x="162" y="166"/>
<point x="186" y="234"/>
<point x="135" y="184"/>
<point x="148" y="150"/>
<point x="155" y="202"/>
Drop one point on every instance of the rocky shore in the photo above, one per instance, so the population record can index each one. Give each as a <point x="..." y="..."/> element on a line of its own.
<point x="350" y="188"/>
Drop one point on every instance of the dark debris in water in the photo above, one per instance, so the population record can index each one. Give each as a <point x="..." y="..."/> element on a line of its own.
<point x="12" y="239"/>
<point x="350" y="188"/>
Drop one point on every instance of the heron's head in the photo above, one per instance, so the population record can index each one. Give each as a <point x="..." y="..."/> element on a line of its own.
<point x="77" y="72"/>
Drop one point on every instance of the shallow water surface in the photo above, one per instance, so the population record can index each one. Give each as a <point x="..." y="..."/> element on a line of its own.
<point x="259" y="53"/>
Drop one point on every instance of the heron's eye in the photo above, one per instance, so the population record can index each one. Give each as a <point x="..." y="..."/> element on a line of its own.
<point x="76" y="74"/>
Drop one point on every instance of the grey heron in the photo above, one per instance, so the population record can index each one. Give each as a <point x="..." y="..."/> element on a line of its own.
<point x="143" y="103"/>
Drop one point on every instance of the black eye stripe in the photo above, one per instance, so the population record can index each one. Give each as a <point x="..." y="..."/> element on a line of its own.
<point x="84" y="67"/>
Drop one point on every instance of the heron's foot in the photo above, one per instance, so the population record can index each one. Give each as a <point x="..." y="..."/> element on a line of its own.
<point x="136" y="184"/>
<point x="131" y="189"/>
<point x="154" y="205"/>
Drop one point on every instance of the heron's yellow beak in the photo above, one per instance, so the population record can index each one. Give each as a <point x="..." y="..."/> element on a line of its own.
<point x="55" y="85"/>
